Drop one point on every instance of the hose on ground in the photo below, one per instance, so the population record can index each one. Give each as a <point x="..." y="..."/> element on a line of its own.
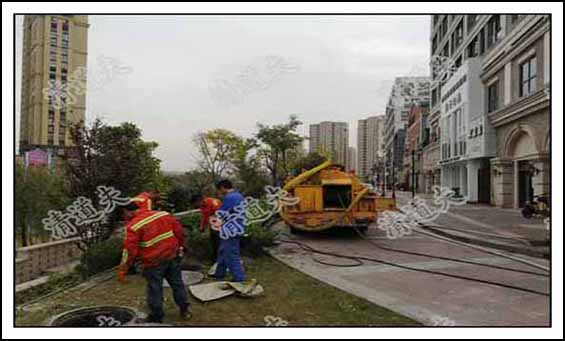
<point x="456" y="260"/>
<point x="405" y="267"/>
<point x="493" y="252"/>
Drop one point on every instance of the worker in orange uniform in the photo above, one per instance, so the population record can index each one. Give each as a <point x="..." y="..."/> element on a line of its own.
<point x="208" y="207"/>
<point x="157" y="238"/>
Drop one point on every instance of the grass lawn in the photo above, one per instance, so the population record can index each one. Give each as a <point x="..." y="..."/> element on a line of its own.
<point x="289" y="294"/>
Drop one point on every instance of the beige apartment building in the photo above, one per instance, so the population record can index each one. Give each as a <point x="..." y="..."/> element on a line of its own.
<point x="330" y="139"/>
<point x="516" y="76"/>
<point x="370" y="146"/>
<point x="496" y="69"/>
<point x="53" y="79"/>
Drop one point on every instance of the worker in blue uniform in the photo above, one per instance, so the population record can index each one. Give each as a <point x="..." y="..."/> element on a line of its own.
<point x="232" y="215"/>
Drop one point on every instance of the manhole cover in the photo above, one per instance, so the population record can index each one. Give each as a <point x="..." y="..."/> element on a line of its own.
<point x="102" y="316"/>
<point x="188" y="278"/>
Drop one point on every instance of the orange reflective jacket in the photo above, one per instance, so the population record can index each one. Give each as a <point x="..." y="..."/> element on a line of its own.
<point x="209" y="207"/>
<point x="151" y="235"/>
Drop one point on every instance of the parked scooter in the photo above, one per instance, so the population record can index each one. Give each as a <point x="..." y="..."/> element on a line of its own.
<point x="538" y="207"/>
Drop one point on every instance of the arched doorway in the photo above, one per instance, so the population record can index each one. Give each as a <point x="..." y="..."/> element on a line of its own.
<point x="521" y="149"/>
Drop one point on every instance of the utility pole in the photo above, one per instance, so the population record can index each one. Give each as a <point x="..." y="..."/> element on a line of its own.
<point x="385" y="175"/>
<point x="393" y="167"/>
<point x="413" y="173"/>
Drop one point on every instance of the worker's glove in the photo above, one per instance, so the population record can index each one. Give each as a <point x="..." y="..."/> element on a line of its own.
<point x="122" y="273"/>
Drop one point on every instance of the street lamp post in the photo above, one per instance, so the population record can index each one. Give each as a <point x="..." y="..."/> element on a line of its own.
<point x="413" y="173"/>
<point x="393" y="164"/>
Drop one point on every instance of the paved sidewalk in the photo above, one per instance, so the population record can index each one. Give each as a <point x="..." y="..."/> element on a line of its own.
<point x="434" y="300"/>
<point x="479" y="224"/>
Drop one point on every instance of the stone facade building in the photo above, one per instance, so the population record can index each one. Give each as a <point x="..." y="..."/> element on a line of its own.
<point x="417" y="136"/>
<point x="405" y="92"/>
<point x="513" y="53"/>
<point x="516" y="75"/>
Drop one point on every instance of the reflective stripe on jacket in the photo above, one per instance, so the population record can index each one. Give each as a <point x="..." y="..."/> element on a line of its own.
<point x="152" y="236"/>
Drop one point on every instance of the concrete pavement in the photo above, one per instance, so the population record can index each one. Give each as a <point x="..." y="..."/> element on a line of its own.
<point x="495" y="227"/>
<point x="431" y="299"/>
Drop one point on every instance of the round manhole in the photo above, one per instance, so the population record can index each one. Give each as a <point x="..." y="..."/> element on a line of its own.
<point x="102" y="316"/>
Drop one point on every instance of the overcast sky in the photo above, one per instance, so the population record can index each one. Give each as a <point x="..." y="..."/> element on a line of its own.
<point x="327" y="68"/>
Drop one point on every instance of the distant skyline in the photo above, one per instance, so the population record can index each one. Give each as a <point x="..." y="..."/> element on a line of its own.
<point x="321" y="68"/>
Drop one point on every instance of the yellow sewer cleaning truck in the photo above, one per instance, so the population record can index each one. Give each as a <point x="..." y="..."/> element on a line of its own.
<point x="330" y="197"/>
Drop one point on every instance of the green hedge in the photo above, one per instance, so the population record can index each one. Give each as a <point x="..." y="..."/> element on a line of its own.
<point x="100" y="257"/>
<point x="256" y="237"/>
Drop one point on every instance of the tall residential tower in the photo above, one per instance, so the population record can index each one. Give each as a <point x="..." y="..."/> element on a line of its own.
<point x="370" y="146"/>
<point x="330" y="139"/>
<point x="53" y="79"/>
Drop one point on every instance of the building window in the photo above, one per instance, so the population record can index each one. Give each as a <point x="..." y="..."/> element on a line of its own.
<point x="457" y="37"/>
<point x="446" y="50"/>
<point x="474" y="47"/>
<point x="459" y="62"/>
<point x="528" y="76"/>
<point x="471" y="21"/>
<point x="492" y="100"/>
<point x="443" y="28"/>
<point x="482" y="41"/>
<point x="434" y="44"/>
<point x="514" y="19"/>
<point x="493" y="30"/>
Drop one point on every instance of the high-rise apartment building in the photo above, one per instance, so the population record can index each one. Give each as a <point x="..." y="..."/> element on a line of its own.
<point x="53" y="79"/>
<point x="330" y="139"/>
<point x="370" y="145"/>
<point x="351" y="159"/>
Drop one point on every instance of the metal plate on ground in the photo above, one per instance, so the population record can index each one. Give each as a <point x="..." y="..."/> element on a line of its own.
<point x="188" y="278"/>
<point x="211" y="291"/>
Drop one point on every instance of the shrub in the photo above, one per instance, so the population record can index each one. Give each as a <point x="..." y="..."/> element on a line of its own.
<point x="99" y="257"/>
<point x="256" y="238"/>
<point x="197" y="244"/>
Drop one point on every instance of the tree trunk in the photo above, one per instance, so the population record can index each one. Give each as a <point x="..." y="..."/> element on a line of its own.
<point x="24" y="234"/>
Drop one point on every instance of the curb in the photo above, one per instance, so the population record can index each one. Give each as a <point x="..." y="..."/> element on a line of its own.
<point x="523" y="250"/>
